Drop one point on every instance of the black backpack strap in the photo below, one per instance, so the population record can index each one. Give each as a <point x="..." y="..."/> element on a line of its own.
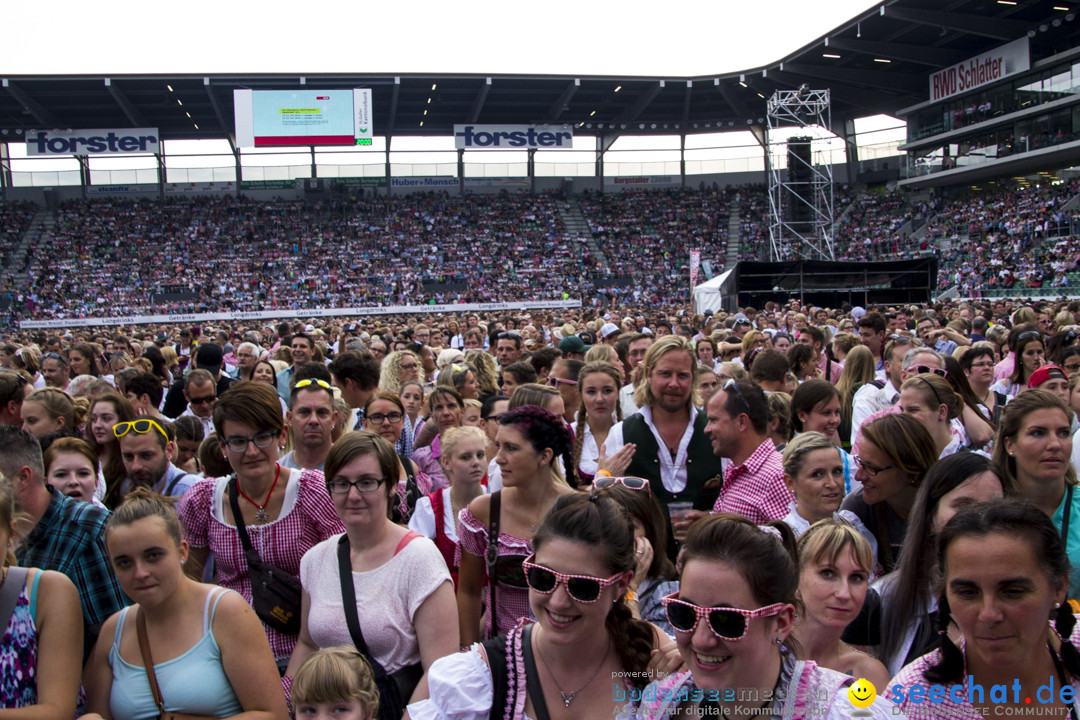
<point x="238" y="518"/>
<point x="492" y="557"/>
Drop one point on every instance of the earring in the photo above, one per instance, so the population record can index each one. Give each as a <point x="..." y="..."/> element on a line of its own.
<point x="779" y="641"/>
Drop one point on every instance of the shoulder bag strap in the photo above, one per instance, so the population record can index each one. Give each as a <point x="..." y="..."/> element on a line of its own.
<point x="9" y="595"/>
<point x="532" y="677"/>
<point x="238" y="518"/>
<point x="348" y="601"/>
<point x="148" y="661"/>
<point x="493" y="556"/>
<point x="1067" y="514"/>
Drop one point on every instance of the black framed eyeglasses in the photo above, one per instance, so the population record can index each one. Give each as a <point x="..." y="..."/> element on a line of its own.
<point x="337" y="486"/>
<point x="380" y="418"/>
<point x="871" y="470"/>
<point x="239" y="444"/>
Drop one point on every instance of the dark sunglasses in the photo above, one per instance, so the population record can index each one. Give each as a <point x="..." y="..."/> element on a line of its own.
<point x="511" y="334"/>
<point x="925" y="369"/>
<point x="582" y="588"/>
<point x="726" y="623"/>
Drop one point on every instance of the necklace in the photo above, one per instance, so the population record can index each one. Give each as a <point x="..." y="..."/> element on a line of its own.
<point x="568" y="698"/>
<point x="261" y="515"/>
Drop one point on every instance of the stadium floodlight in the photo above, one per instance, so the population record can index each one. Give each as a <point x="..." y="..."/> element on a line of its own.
<point x="800" y="184"/>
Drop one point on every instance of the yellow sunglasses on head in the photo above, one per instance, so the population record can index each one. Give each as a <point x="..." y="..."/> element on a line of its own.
<point x="141" y="426"/>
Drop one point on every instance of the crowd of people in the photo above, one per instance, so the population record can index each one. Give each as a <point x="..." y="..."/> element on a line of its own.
<point x="641" y="511"/>
<point x="111" y="256"/>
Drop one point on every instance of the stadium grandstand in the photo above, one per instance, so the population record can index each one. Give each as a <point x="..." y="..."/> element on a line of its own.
<point x="172" y="211"/>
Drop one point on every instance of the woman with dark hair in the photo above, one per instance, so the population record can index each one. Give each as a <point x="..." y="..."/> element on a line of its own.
<point x="105" y="412"/>
<point x="733" y="616"/>
<point x="894" y="454"/>
<point x="816" y="407"/>
<point x="384" y="415"/>
<point x="401" y="591"/>
<point x="1059" y="342"/>
<point x="530" y="439"/>
<point x="975" y="429"/>
<point x="83" y="360"/>
<point x="1070" y="359"/>
<point x="977" y="365"/>
<point x="286" y="512"/>
<point x="1004" y="578"/>
<point x="1034" y="451"/>
<point x="584" y="640"/>
<point x="908" y="601"/>
<point x="654" y="574"/>
<point x="801" y="360"/>
<point x="159" y="369"/>
<point x="1026" y="344"/>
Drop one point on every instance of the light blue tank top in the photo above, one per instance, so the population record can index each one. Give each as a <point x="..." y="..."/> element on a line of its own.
<point x="193" y="683"/>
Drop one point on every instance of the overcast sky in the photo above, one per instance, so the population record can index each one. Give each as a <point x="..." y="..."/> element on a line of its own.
<point x="673" y="38"/>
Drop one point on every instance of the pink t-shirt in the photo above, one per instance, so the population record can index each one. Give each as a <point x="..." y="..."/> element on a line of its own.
<point x="387" y="599"/>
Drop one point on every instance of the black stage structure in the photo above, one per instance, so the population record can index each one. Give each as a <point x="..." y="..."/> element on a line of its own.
<point x="831" y="284"/>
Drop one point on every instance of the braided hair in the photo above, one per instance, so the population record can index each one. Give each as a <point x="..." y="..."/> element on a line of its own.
<point x="544" y="430"/>
<point x="579" y="431"/>
<point x="1020" y="519"/>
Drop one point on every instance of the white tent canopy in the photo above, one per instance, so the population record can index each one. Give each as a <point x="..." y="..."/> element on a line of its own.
<point x="710" y="295"/>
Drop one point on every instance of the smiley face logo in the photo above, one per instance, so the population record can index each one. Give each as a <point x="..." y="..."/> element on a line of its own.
<point x="862" y="693"/>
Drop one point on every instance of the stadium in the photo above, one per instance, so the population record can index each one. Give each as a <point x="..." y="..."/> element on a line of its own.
<point x="489" y="189"/>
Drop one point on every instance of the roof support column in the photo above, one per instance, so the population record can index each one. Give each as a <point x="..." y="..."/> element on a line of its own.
<point x="5" y="169"/>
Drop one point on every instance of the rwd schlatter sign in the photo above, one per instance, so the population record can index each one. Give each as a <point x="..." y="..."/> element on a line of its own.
<point x="513" y="137"/>
<point x="103" y="141"/>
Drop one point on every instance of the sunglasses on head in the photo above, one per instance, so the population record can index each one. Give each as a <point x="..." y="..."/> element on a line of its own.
<point x="726" y="623"/>
<point x="140" y="426"/>
<point x="582" y="588"/>
<point x="554" y="381"/>
<point x="634" y="483"/>
<point x="314" y="381"/>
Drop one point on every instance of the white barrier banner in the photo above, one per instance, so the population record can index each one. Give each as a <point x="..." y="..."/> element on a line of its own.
<point x="102" y="141"/>
<point x="200" y="188"/>
<point x="121" y="189"/>
<point x="287" y="313"/>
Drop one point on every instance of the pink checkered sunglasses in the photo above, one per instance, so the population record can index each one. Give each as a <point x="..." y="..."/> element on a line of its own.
<point x="727" y="623"/>
<point x="582" y="588"/>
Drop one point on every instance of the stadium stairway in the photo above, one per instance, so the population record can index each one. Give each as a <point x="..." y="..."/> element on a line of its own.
<point x="577" y="228"/>
<point x="733" y="225"/>
<point x="43" y="225"/>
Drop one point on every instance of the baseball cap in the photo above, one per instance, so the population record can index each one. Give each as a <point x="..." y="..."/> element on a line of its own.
<point x="587" y="337"/>
<point x="1045" y="373"/>
<point x="858" y="312"/>
<point x="608" y="330"/>
<point x="573" y="344"/>
<point x="350" y="328"/>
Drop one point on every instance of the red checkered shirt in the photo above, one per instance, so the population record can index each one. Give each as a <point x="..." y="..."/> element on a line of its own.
<point x="756" y="488"/>
<point x="307" y="518"/>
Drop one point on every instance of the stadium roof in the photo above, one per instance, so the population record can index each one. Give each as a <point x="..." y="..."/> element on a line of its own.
<point x="885" y="57"/>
